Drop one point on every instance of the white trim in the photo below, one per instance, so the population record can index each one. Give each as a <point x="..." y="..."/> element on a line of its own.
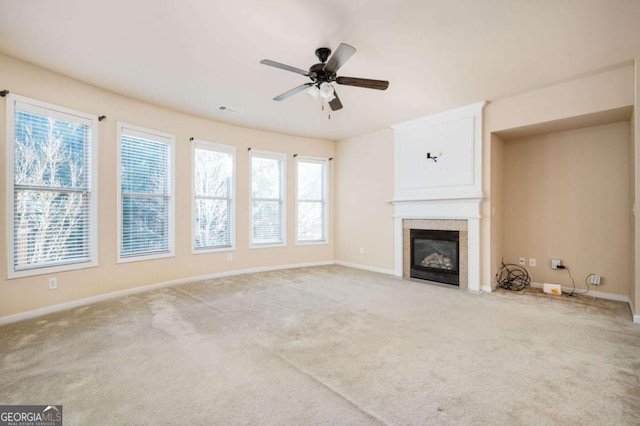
<point x="636" y="317"/>
<point x="158" y="136"/>
<point x="418" y="133"/>
<point x="283" y="191"/>
<point x="226" y="149"/>
<point x="66" y="114"/>
<point x="468" y="210"/>
<point x="486" y="288"/>
<point x="365" y="267"/>
<point x="598" y="294"/>
<point x="325" y="198"/>
<point x="35" y="106"/>
<point x="100" y="298"/>
<point x="311" y="243"/>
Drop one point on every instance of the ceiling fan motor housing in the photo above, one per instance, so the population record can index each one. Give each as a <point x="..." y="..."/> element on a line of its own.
<point x="318" y="74"/>
<point x="323" y="54"/>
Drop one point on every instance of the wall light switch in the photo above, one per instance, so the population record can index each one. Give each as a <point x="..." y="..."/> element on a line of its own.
<point x="521" y="261"/>
<point x="532" y="262"/>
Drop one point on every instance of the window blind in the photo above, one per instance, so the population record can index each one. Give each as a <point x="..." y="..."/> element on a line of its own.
<point x="52" y="187"/>
<point x="213" y="192"/>
<point x="311" y="200"/>
<point x="146" y="195"/>
<point x="267" y="198"/>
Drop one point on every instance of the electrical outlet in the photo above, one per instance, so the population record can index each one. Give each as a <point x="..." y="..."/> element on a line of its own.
<point x="53" y="283"/>
<point x="361" y="250"/>
<point x="595" y="279"/>
<point x="229" y="257"/>
<point x="555" y="263"/>
<point x="521" y="261"/>
<point x="532" y="261"/>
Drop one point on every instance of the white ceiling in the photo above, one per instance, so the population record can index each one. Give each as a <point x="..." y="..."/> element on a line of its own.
<point x="194" y="55"/>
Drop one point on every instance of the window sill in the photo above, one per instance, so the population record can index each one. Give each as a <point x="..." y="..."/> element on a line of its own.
<point x="50" y="269"/>
<point x="145" y="257"/>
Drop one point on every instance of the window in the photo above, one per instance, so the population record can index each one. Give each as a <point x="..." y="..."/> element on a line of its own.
<point x="311" y="200"/>
<point x="267" y="199"/>
<point x="51" y="188"/>
<point x="145" y="194"/>
<point x="213" y="196"/>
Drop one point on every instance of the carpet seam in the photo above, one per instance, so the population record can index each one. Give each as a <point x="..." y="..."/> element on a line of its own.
<point x="325" y="385"/>
<point x="200" y="299"/>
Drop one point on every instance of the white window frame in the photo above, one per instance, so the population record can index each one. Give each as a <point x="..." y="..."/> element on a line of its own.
<point x="169" y="139"/>
<point x="283" y="191"/>
<point x="325" y="199"/>
<point x="226" y="149"/>
<point x="66" y="114"/>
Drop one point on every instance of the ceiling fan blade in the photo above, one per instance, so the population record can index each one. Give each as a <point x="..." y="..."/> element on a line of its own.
<point x="284" y="67"/>
<point x="335" y="103"/>
<point x="363" y="82"/>
<point x="339" y="57"/>
<point x="292" y="92"/>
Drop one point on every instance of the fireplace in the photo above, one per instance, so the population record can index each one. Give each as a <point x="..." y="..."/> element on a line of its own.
<point x="435" y="255"/>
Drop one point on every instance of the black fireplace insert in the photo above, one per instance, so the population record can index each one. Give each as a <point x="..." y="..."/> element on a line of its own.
<point x="435" y="255"/>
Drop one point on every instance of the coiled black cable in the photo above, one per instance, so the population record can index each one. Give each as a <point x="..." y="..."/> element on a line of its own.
<point x="513" y="277"/>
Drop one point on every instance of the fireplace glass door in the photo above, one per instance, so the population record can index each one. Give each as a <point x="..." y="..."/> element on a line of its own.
<point x="435" y="255"/>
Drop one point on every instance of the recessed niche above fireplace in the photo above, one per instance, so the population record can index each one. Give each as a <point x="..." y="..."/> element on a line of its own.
<point x="435" y="255"/>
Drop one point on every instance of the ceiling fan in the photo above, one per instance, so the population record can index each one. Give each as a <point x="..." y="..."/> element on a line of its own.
<point x="324" y="73"/>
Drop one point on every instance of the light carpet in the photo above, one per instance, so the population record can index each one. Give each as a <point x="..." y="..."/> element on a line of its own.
<point x="328" y="345"/>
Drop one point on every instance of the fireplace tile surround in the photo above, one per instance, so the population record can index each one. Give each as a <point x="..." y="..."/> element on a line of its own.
<point x="440" y="225"/>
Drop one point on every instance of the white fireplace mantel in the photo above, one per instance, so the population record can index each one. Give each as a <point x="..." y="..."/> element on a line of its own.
<point x="460" y="209"/>
<point x="447" y="188"/>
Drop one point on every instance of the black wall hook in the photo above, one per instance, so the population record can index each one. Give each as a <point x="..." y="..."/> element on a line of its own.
<point x="4" y="93"/>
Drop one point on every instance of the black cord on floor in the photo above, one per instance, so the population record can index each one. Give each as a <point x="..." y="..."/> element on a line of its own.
<point x="513" y="277"/>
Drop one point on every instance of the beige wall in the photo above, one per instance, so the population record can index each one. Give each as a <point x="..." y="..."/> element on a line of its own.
<point x="497" y="211"/>
<point x="366" y="162"/>
<point x="589" y="96"/>
<point x="21" y="295"/>
<point x="567" y="197"/>
<point x="364" y="176"/>
<point x="363" y="172"/>
<point x="635" y="159"/>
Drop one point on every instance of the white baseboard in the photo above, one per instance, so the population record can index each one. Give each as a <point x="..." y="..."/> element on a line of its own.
<point x="365" y="267"/>
<point x="486" y="288"/>
<point x="598" y="294"/>
<point x="94" y="299"/>
<point x="636" y="317"/>
<point x="601" y="295"/>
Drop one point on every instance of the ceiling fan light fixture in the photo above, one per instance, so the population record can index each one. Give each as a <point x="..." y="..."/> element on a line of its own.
<point x="314" y="92"/>
<point x="326" y="91"/>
